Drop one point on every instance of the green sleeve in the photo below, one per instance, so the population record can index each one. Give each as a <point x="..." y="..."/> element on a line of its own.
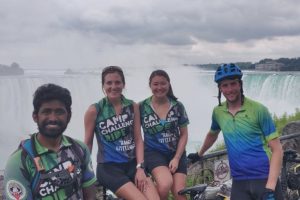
<point x="88" y="177"/>
<point x="16" y="186"/>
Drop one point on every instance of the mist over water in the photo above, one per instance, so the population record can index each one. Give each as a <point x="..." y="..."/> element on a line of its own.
<point x="195" y="88"/>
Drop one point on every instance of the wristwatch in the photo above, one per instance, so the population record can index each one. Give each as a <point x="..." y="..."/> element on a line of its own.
<point x="140" y="165"/>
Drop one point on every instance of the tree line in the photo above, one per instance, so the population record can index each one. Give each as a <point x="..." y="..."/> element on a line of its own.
<point x="289" y="64"/>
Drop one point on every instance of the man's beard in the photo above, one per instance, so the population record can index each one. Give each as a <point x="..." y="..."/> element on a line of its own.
<point x="52" y="133"/>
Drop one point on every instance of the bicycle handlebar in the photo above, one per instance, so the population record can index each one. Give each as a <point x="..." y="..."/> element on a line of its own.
<point x="223" y="152"/>
<point x="290" y="136"/>
<point x="194" y="189"/>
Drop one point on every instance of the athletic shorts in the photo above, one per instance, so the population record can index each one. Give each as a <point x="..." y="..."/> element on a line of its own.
<point x="155" y="159"/>
<point x="113" y="175"/>
<point x="252" y="189"/>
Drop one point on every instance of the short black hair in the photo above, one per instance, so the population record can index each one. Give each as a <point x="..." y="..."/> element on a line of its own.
<point x="49" y="92"/>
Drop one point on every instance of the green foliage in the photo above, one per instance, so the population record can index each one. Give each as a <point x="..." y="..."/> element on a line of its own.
<point x="170" y="197"/>
<point x="218" y="147"/>
<point x="246" y="65"/>
<point x="204" y="176"/>
<point x="282" y="121"/>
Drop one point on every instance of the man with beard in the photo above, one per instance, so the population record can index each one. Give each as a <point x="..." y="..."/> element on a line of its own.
<point x="50" y="165"/>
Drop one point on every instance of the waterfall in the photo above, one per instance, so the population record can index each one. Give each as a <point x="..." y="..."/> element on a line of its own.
<point x="280" y="92"/>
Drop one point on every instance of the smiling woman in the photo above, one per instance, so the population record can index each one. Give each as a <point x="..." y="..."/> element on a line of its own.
<point x="164" y="122"/>
<point x="115" y="122"/>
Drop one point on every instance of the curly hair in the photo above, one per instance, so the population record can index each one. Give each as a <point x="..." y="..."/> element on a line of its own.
<point x="49" y="92"/>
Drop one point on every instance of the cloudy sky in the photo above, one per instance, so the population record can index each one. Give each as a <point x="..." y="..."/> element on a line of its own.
<point x="91" y="33"/>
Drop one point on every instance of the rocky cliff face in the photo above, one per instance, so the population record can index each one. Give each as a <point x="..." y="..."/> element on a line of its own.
<point x="292" y="128"/>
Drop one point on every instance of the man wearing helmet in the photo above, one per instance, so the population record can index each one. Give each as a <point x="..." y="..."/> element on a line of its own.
<point x="252" y="142"/>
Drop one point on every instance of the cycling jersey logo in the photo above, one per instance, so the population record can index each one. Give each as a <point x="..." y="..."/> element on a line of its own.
<point x="155" y="125"/>
<point x="15" y="190"/>
<point x="114" y="128"/>
<point x="126" y="145"/>
<point x="64" y="175"/>
<point x="167" y="138"/>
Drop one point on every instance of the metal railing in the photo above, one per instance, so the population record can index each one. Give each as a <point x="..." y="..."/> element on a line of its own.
<point x="224" y="152"/>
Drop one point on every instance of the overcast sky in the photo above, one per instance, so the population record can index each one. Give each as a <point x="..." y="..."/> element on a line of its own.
<point x="92" y="33"/>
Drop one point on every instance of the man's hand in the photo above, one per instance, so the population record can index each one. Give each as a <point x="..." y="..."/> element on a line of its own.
<point x="194" y="157"/>
<point x="268" y="195"/>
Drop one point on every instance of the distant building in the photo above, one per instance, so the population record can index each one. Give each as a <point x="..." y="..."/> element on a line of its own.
<point x="269" y="66"/>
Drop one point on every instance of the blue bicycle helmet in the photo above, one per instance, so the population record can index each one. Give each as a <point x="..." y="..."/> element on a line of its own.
<point x="227" y="71"/>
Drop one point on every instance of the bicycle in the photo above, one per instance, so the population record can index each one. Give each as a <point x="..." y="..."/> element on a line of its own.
<point x="290" y="182"/>
<point x="196" y="192"/>
<point x="205" y="192"/>
<point x="104" y="193"/>
<point x="209" y="189"/>
<point x="290" y="175"/>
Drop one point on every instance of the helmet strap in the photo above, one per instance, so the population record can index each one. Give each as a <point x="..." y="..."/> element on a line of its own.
<point x="242" y="92"/>
<point x="219" y="97"/>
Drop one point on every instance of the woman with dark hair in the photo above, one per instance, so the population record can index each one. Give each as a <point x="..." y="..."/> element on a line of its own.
<point x="164" y="123"/>
<point x="115" y="120"/>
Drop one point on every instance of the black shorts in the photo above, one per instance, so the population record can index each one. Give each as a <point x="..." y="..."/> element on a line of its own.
<point x="114" y="175"/>
<point x="252" y="189"/>
<point x="154" y="159"/>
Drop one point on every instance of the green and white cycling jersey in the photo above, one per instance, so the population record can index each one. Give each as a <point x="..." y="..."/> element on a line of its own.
<point x="62" y="174"/>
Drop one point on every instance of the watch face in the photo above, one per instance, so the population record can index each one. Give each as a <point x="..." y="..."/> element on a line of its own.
<point x="140" y="165"/>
